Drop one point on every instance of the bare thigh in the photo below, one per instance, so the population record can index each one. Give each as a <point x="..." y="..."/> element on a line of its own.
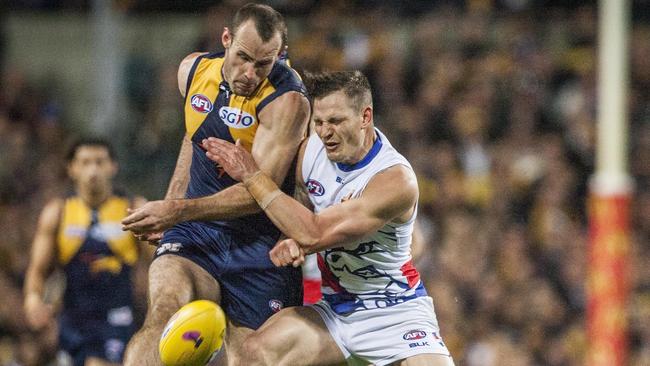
<point x="426" y="360"/>
<point x="235" y="336"/>
<point x="294" y="336"/>
<point x="175" y="281"/>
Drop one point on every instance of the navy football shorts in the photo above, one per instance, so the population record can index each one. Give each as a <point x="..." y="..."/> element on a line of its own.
<point x="252" y="288"/>
<point x="93" y="338"/>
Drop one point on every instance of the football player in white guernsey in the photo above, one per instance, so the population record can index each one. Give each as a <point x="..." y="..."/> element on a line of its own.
<point x="364" y="196"/>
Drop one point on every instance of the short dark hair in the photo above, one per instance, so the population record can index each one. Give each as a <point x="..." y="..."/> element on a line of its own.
<point x="88" y="141"/>
<point x="268" y="21"/>
<point x="354" y="84"/>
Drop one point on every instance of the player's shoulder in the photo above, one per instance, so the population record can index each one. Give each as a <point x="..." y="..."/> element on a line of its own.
<point x="399" y="172"/>
<point x="393" y="173"/>
<point x="284" y="78"/>
<point x="55" y="204"/>
<point x="188" y="62"/>
<point x="188" y="65"/>
<point x="396" y="172"/>
<point x="394" y="191"/>
<point x="190" y="59"/>
<point x="51" y="212"/>
<point x="388" y="154"/>
<point x="284" y="103"/>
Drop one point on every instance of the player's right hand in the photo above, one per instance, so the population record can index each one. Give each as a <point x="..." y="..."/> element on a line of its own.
<point x="38" y="313"/>
<point x="152" y="217"/>
<point x="287" y="252"/>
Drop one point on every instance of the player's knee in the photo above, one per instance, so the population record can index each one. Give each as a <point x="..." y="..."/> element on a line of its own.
<point x="164" y="303"/>
<point x="160" y="311"/>
<point x="171" y="286"/>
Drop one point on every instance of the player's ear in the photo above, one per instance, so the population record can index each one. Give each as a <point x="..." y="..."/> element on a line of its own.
<point x="366" y="116"/>
<point x="226" y="37"/>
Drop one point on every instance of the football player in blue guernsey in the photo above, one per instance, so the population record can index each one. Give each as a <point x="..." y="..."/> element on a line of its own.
<point x="364" y="194"/>
<point x="216" y="239"/>
<point x="82" y="235"/>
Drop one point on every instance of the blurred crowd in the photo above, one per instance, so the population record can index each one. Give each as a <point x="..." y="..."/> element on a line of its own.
<point x="495" y="107"/>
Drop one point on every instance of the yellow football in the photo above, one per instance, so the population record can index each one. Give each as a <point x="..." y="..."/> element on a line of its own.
<point x="193" y="334"/>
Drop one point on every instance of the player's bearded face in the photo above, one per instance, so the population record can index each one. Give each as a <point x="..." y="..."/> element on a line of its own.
<point x="92" y="168"/>
<point x="248" y="60"/>
<point x="338" y="124"/>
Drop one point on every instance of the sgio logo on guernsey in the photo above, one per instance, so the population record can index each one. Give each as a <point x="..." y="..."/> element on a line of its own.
<point x="235" y="117"/>
<point x="201" y="103"/>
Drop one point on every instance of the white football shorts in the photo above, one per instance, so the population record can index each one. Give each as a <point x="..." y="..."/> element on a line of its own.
<point x="384" y="335"/>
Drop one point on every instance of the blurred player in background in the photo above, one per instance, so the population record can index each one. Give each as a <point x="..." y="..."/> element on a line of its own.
<point x="375" y="308"/>
<point x="217" y="246"/>
<point x="81" y="234"/>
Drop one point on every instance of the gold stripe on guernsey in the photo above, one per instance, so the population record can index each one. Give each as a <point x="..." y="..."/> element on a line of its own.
<point x="122" y="243"/>
<point x="206" y="86"/>
<point x="248" y="105"/>
<point x="75" y="222"/>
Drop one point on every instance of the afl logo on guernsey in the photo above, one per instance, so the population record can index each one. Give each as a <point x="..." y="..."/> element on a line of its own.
<point x="201" y="103"/>
<point x="236" y="118"/>
<point x="315" y="188"/>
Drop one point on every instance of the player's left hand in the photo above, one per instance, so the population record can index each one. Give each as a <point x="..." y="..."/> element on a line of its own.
<point x="287" y="252"/>
<point x="233" y="158"/>
<point x="152" y="217"/>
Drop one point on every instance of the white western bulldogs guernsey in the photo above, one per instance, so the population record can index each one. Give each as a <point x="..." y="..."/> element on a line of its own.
<point x="374" y="303"/>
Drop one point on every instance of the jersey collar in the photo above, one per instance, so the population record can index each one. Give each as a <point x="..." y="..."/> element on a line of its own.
<point x="374" y="150"/>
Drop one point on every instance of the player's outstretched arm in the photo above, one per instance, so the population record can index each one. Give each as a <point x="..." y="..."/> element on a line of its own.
<point x="184" y="71"/>
<point x="181" y="175"/>
<point x="390" y="195"/>
<point x="161" y="212"/>
<point x="41" y="263"/>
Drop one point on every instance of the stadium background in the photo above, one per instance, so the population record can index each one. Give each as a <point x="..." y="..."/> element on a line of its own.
<point x="493" y="102"/>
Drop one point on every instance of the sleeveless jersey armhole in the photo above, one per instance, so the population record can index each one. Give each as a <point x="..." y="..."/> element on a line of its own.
<point x="190" y="76"/>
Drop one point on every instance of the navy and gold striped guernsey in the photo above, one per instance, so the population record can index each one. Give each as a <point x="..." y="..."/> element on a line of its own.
<point x="234" y="252"/>
<point x="96" y="257"/>
<point x="212" y="110"/>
